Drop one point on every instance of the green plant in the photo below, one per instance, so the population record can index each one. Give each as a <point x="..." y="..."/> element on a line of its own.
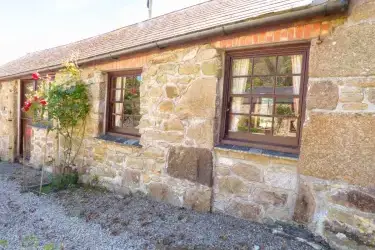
<point x="285" y="110"/>
<point x="63" y="181"/>
<point x="95" y="180"/>
<point x="30" y="241"/>
<point x="243" y="124"/>
<point x="4" y="243"/>
<point x="50" y="246"/>
<point x="68" y="105"/>
<point x="255" y="130"/>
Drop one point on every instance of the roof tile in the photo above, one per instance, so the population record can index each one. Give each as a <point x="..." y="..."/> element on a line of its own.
<point x="196" y="18"/>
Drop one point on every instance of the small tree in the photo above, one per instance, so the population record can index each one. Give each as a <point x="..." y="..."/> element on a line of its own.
<point x="63" y="104"/>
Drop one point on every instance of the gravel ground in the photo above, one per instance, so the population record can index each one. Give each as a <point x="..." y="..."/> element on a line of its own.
<point x="85" y="218"/>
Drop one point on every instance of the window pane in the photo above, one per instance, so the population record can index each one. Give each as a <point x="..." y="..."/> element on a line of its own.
<point x="131" y="88"/>
<point x="241" y="85"/>
<point x="289" y="64"/>
<point x="263" y="85"/>
<point x="288" y="85"/>
<point x="131" y="98"/>
<point x="287" y="106"/>
<point x="263" y="105"/>
<point x="265" y="65"/>
<point x="285" y="126"/>
<point x="116" y="121"/>
<point x="240" y="105"/>
<point x="261" y="125"/>
<point x="238" y="123"/>
<point x="130" y="121"/>
<point x="117" y="108"/>
<point x="117" y="83"/>
<point x="126" y="110"/>
<point x="116" y="95"/>
<point x="132" y="107"/>
<point x="242" y="67"/>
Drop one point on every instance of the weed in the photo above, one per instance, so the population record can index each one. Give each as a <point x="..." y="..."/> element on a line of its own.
<point x="95" y="180"/>
<point x="61" y="182"/>
<point x="3" y="243"/>
<point x="30" y="241"/>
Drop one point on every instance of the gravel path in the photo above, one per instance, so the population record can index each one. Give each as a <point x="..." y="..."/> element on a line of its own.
<point x="92" y="219"/>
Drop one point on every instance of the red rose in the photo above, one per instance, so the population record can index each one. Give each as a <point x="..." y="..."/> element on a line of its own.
<point x="133" y="91"/>
<point x="43" y="102"/>
<point x="35" y="76"/>
<point x="35" y="98"/>
<point x="27" y="104"/>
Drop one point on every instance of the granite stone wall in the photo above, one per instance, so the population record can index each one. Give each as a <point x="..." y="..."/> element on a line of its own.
<point x="255" y="186"/>
<point x="336" y="188"/>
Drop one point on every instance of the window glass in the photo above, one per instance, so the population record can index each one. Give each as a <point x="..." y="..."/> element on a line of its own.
<point x="265" y="97"/>
<point x="240" y="105"/>
<point x="263" y="85"/>
<point x="289" y="64"/>
<point x="265" y="65"/>
<point x="288" y="85"/>
<point x="239" y="123"/>
<point x="125" y="103"/>
<point x="261" y="125"/>
<point x="241" y="85"/>
<point x="263" y="105"/>
<point x="242" y="67"/>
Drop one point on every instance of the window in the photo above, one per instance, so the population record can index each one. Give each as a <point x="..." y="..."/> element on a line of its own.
<point x="264" y="97"/>
<point x="124" y="102"/>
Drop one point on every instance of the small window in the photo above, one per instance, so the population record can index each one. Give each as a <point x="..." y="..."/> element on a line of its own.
<point x="264" y="97"/>
<point x="124" y="102"/>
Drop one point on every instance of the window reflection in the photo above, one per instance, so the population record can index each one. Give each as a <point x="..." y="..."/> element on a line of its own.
<point x="125" y="103"/>
<point x="265" y="96"/>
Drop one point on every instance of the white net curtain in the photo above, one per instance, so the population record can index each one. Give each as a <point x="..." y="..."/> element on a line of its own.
<point x="289" y="69"/>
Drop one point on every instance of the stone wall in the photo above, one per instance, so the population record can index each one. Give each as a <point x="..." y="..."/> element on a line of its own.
<point x="8" y="120"/>
<point x="173" y="162"/>
<point x="338" y="136"/>
<point x="43" y="147"/>
<point x="343" y="214"/>
<point x="255" y="186"/>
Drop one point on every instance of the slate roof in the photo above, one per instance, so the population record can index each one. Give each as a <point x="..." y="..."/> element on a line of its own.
<point x="199" y="17"/>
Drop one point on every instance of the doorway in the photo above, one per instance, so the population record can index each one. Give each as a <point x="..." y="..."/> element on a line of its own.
<point x="27" y="87"/>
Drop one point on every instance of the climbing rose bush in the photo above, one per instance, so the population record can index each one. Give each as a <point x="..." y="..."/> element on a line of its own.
<point x="33" y="103"/>
<point x="63" y="106"/>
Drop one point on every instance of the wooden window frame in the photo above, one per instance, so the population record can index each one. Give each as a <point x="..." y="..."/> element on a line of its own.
<point x="269" y="142"/>
<point x="111" y="130"/>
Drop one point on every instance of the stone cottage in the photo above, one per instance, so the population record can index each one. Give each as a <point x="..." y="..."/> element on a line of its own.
<point x="263" y="110"/>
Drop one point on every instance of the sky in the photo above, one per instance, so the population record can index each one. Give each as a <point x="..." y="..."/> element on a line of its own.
<point x="31" y="25"/>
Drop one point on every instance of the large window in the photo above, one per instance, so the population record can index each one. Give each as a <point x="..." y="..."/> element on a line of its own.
<point x="124" y="102"/>
<point x="264" y="96"/>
